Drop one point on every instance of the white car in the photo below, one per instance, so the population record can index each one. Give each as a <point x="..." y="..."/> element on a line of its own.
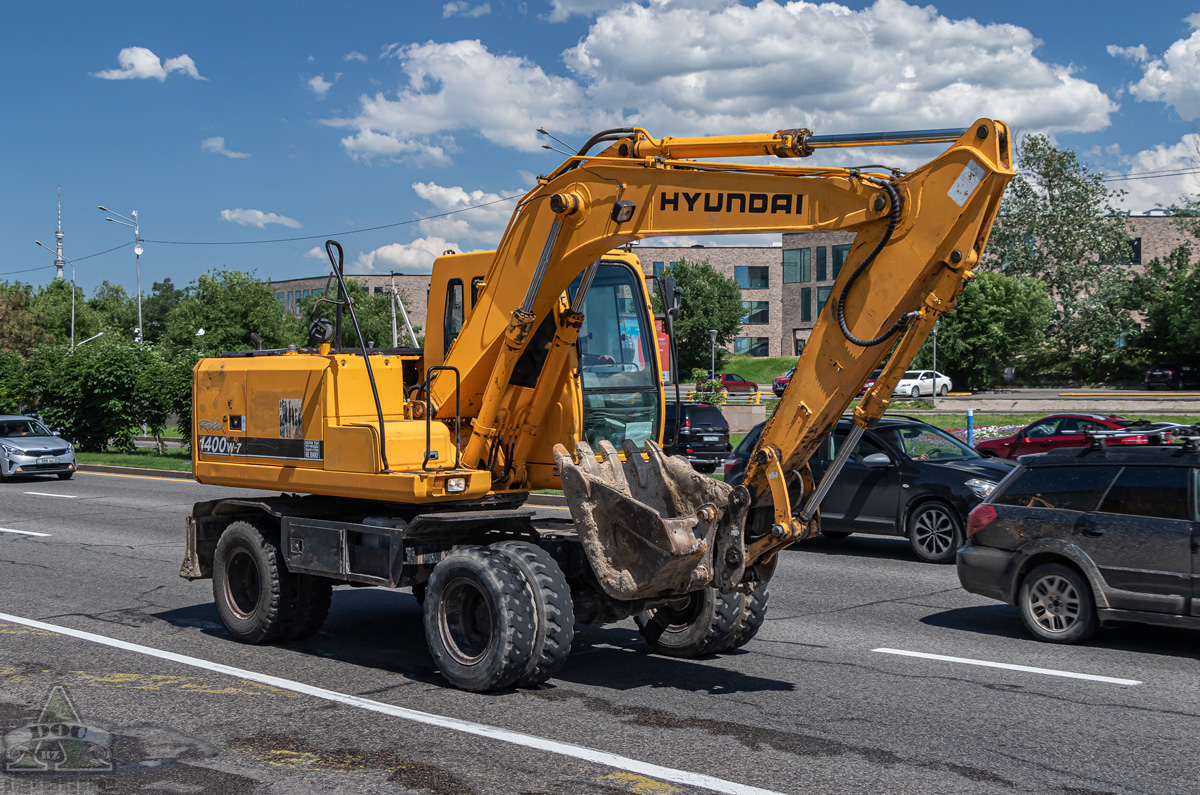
<point x="916" y="383"/>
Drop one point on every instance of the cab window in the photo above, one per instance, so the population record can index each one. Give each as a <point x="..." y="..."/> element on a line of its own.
<point x="453" y="318"/>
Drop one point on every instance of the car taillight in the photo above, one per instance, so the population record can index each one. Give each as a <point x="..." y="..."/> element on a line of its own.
<point x="729" y="462"/>
<point x="687" y="423"/>
<point x="687" y="449"/>
<point x="981" y="517"/>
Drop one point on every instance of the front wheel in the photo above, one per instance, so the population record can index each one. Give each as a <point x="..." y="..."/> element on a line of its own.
<point x="916" y="392"/>
<point x="696" y="625"/>
<point x="752" y="612"/>
<point x="1056" y="604"/>
<point x="480" y="619"/>
<point x="65" y="475"/>
<point x="935" y="532"/>
<point x="254" y="594"/>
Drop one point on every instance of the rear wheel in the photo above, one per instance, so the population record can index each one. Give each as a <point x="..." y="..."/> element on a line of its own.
<point x="480" y="619"/>
<point x="555" y="624"/>
<point x="935" y="532"/>
<point x="945" y="390"/>
<point x="1056" y="604"/>
<point x="695" y="625"/>
<point x="254" y="594"/>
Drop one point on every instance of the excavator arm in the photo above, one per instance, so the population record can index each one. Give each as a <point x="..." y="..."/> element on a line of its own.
<point x="919" y="237"/>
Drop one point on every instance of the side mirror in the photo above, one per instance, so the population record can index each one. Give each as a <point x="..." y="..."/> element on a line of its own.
<point x="877" y="460"/>
<point x="671" y="296"/>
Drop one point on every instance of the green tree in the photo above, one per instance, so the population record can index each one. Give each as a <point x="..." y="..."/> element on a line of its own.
<point x="116" y="309"/>
<point x="1169" y="294"/>
<point x="12" y="371"/>
<point x="1058" y="224"/>
<point x="157" y="306"/>
<point x="997" y="318"/>
<point x="710" y="301"/>
<point x="53" y="302"/>
<point x="229" y="306"/>
<point x="22" y="325"/>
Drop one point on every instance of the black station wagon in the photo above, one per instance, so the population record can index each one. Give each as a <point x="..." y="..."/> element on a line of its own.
<point x="1078" y="538"/>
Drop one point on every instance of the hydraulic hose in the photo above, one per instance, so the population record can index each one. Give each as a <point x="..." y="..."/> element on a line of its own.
<point x="893" y="220"/>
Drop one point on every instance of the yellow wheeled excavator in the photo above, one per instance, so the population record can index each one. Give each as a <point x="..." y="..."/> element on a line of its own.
<point x="409" y="467"/>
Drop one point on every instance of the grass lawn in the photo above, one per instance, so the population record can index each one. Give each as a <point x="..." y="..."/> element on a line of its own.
<point x="759" y="370"/>
<point x="176" y="460"/>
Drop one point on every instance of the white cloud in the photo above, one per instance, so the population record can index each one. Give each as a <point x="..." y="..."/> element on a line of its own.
<point x="139" y="62"/>
<point x="217" y="145"/>
<point x="1148" y="193"/>
<point x="560" y="10"/>
<point x="482" y="226"/>
<point x="258" y="218"/>
<point x="355" y="55"/>
<point x="457" y="8"/>
<point x="713" y="67"/>
<point x="319" y="85"/>
<point x="1174" y="78"/>
<point x="316" y="252"/>
<point x="826" y="67"/>
<point x="461" y="85"/>
<point x="411" y="258"/>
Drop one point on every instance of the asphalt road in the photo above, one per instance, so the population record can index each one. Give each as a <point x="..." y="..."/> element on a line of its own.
<point x="812" y="705"/>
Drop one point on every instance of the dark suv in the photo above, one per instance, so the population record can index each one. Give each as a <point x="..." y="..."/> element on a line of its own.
<point x="905" y="478"/>
<point x="1172" y="376"/>
<point x="1076" y="538"/>
<point x="703" y="435"/>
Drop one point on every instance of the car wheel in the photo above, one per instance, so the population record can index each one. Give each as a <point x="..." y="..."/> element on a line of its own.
<point x="696" y="625"/>
<point x="945" y="390"/>
<point x="836" y="535"/>
<point x="935" y="532"/>
<point x="1149" y="387"/>
<point x="916" y="391"/>
<point x="1056" y="604"/>
<point x="480" y="619"/>
<point x="707" y="469"/>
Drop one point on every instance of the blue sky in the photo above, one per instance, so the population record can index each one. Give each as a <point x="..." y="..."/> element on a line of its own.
<point x="223" y="123"/>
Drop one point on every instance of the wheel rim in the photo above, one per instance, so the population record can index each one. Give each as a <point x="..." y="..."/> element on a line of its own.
<point x="916" y="391"/>
<point x="1054" y="603"/>
<point x="677" y="617"/>
<point x="465" y="621"/>
<point x="242" y="583"/>
<point x="933" y="531"/>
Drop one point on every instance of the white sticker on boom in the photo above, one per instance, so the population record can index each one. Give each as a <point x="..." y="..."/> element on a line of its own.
<point x="964" y="186"/>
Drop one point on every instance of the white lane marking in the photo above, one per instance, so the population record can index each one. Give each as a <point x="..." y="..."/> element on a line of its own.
<point x="685" y="777"/>
<point x="1010" y="667"/>
<point x="60" y="496"/>
<point x="24" y="532"/>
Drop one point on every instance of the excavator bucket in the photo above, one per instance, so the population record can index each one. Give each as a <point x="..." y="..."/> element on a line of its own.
<point x="650" y="525"/>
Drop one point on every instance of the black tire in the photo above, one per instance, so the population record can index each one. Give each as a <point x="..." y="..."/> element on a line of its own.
<point x="254" y="593"/>
<point x="935" y="532"/>
<point x="65" y="475"/>
<point x="836" y="535"/>
<point x="752" y="612"/>
<point x="706" y="469"/>
<point x="555" y="624"/>
<point x="704" y="624"/>
<point x="479" y="619"/>
<point x="313" y="597"/>
<point x="945" y="390"/>
<point x="1149" y="387"/>
<point x="1057" y="605"/>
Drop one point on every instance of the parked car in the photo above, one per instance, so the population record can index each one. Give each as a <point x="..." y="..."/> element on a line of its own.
<point x="1055" y="431"/>
<point x="27" y="447"/>
<point x="734" y="383"/>
<point x="904" y="478"/>
<point x="703" y="435"/>
<point x="1079" y="538"/>
<point x="870" y="382"/>
<point x="1172" y="376"/>
<point x="781" y="381"/>
<point x="916" y="383"/>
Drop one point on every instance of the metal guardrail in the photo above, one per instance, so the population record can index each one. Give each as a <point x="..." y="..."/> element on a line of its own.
<point x="731" y="398"/>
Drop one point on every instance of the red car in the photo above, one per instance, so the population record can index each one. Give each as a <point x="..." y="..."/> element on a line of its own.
<point x="870" y="382"/>
<point x="781" y="381"/>
<point x="1057" y="430"/>
<point x="734" y="383"/>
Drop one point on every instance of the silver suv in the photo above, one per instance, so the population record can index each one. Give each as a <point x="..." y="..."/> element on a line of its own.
<point x="28" y="448"/>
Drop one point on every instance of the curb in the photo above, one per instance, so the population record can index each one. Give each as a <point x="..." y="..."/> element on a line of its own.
<point x="114" y="470"/>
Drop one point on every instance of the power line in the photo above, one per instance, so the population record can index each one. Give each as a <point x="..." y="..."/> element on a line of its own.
<point x="76" y="259"/>
<point x="1177" y="172"/>
<point x="332" y="234"/>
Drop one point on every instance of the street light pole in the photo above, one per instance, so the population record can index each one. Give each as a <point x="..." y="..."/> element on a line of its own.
<point x="137" y="254"/>
<point x="712" y="364"/>
<point x="72" y="264"/>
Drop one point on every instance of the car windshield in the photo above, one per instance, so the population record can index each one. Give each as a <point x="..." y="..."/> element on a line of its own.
<point x="10" y="429"/>
<point x="912" y="374"/>
<point x="926" y="443"/>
